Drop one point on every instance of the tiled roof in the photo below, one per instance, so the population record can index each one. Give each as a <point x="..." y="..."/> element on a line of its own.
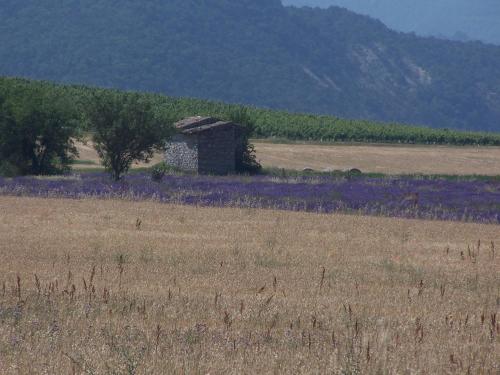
<point x="192" y="122"/>
<point x="198" y="124"/>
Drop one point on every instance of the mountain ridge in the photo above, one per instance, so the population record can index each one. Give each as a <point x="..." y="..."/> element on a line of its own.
<point x="255" y="52"/>
<point x="461" y="20"/>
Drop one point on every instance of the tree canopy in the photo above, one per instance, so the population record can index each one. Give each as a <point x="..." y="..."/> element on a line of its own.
<point x="38" y="141"/>
<point x="125" y="130"/>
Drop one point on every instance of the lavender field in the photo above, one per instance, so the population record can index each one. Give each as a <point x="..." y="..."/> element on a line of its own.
<point x="408" y="197"/>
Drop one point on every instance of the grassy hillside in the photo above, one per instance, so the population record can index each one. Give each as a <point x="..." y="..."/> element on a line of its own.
<point x="257" y="52"/>
<point x="268" y="123"/>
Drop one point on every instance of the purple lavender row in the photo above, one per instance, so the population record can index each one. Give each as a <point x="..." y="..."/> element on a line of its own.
<point x="471" y="201"/>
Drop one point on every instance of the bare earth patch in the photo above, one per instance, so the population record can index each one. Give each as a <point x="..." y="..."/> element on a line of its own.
<point x="390" y="159"/>
<point x="122" y="287"/>
<point x="89" y="158"/>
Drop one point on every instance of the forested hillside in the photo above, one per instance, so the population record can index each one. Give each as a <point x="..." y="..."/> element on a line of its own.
<point x="453" y="19"/>
<point x="22" y="95"/>
<point x="258" y="52"/>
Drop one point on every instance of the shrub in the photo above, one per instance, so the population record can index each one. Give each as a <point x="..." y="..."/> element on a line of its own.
<point x="7" y="169"/>
<point x="158" y="172"/>
<point x="246" y="159"/>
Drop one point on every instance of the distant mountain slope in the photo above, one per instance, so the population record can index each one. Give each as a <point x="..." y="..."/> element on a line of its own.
<point x="453" y="19"/>
<point x="255" y="52"/>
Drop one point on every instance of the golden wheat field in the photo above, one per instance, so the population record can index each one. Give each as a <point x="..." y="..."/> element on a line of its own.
<point x="388" y="159"/>
<point x="117" y="287"/>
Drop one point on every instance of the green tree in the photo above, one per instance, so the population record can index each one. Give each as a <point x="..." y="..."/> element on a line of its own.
<point x="38" y="141"/>
<point x="246" y="158"/>
<point x="125" y="130"/>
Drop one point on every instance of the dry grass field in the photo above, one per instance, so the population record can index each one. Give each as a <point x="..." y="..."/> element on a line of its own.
<point x="116" y="287"/>
<point x="389" y="159"/>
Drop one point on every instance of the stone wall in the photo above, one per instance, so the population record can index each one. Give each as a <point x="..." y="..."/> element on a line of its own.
<point x="217" y="151"/>
<point x="182" y="152"/>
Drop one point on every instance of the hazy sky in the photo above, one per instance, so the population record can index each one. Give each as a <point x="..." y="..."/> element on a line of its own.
<point x="476" y="19"/>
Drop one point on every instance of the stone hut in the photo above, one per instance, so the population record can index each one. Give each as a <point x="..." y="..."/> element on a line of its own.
<point x="204" y="145"/>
